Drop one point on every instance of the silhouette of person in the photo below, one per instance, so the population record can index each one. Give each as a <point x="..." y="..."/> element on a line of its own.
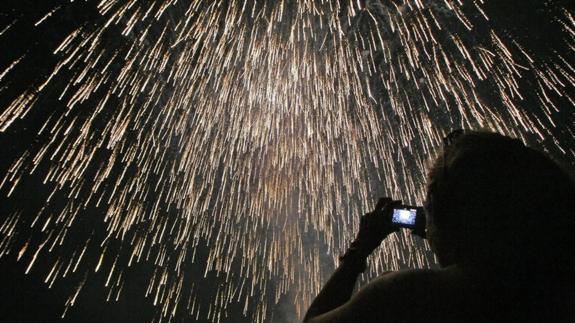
<point x="499" y="218"/>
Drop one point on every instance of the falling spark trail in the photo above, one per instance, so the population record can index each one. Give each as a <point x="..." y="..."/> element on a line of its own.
<point x="242" y="139"/>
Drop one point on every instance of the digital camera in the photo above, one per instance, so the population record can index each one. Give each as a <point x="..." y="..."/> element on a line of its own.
<point x="406" y="216"/>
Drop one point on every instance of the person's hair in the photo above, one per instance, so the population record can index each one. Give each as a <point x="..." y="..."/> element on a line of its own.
<point x="499" y="202"/>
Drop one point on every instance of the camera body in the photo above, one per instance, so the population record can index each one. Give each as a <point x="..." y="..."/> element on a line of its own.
<point x="406" y="216"/>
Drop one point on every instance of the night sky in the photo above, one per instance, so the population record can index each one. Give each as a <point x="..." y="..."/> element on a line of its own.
<point x="26" y="298"/>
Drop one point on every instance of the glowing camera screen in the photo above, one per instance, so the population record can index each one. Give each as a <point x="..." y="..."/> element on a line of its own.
<point x="404" y="216"/>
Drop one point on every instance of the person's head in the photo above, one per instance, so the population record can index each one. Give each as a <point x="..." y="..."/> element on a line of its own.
<point x="493" y="201"/>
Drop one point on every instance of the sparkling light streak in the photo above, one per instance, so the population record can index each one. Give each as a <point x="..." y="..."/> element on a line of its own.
<point x="260" y="129"/>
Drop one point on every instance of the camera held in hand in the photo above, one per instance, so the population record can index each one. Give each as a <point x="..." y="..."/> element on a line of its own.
<point x="410" y="217"/>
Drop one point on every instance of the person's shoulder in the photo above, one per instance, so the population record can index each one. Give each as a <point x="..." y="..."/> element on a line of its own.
<point x="419" y="286"/>
<point x="405" y="295"/>
<point x="405" y="286"/>
<point x="401" y="278"/>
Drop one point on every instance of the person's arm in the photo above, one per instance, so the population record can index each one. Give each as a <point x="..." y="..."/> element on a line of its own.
<point x="339" y="288"/>
<point x="374" y="227"/>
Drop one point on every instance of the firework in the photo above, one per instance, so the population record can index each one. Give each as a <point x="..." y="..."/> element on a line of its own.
<point x="245" y="138"/>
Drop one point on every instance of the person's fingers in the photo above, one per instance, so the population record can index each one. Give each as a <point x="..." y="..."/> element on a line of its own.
<point x="381" y="203"/>
<point x="418" y="232"/>
<point x="395" y="203"/>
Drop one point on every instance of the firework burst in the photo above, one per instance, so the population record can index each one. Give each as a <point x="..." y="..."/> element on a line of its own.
<point x="244" y="138"/>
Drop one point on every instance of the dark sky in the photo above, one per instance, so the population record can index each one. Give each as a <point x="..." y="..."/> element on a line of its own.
<point x="26" y="298"/>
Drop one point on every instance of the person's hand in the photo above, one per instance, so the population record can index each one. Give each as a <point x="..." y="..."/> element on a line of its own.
<point x="375" y="226"/>
<point x="419" y="229"/>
